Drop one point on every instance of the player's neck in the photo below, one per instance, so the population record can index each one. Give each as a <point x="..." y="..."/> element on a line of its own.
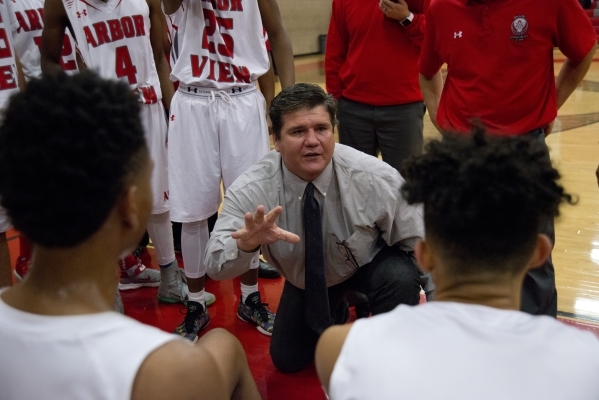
<point x="491" y="291"/>
<point x="72" y="281"/>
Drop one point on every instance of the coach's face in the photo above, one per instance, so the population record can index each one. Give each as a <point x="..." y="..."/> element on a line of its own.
<point x="307" y="142"/>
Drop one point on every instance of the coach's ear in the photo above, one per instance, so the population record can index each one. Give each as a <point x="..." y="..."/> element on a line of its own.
<point x="424" y="256"/>
<point x="276" y="142"/>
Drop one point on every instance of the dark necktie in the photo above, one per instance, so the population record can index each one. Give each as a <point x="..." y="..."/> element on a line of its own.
<point x="317" y="313"/>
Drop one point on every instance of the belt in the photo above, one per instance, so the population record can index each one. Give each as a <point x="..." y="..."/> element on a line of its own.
<point x="203" y="91"/>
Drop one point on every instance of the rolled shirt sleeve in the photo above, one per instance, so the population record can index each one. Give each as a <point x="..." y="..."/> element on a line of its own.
<point x="223" y="259"/>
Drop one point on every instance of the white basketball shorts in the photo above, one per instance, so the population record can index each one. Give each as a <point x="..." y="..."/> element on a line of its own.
<point x="153" y="119"/>
<point x="212" y="135"/>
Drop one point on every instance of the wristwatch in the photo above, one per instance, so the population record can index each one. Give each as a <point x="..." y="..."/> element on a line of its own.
<point x="408" y="20"/>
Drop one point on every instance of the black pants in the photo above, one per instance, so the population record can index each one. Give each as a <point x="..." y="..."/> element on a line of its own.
<point x="391" y="279"/>
<point x="539" y="295"/>
<point x="394" y="130"/>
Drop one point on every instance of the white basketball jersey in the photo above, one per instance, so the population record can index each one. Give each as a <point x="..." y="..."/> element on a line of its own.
<point x="28" y="38"/>
<point x="114" y="40"/>
<point x="220" y="44"/>
<point x="8" y="67"/>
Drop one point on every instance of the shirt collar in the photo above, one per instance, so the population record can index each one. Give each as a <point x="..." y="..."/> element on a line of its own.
<point x="298" y="185"/>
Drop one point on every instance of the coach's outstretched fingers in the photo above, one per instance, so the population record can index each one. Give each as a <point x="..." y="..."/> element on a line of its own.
<point x="262" y="229"/>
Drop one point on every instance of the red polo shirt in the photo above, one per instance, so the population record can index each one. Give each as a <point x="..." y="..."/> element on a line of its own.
<point x="370" y="58"/>
<point x="499" y="56"/>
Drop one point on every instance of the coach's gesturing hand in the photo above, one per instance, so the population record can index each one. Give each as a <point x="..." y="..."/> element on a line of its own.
<point x="261" y="229"/>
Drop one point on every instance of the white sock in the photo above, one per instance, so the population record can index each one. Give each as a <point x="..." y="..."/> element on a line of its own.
<point x="247" y="290"/>
<point x="197" y="297"/>
<point x="161" y="232"/>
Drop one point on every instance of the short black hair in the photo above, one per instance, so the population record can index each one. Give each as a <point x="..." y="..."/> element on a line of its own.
<point x="299" y="97"/>
<point x="68" y="145"/>
<point x="485" y="198"/>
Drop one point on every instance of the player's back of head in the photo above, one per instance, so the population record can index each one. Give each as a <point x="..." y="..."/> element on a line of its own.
<point x="484" y="198"/>
<point x="67" y="147"/>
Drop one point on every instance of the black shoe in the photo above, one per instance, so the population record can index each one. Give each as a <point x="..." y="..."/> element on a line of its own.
<point x="265" y="270"/>
<point x="360" y="303"/>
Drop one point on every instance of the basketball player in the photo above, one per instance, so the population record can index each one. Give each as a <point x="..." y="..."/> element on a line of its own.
<point x="82" y="213"/>
<point x="11" y="79"/>
<point x="484" y="199"/>
<point x="123" y="40"/>
<point x="28" y="38"/>
<point x="217" y="128"/>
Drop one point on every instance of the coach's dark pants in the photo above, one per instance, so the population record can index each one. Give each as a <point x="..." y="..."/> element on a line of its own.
<point x="539" y="295"/>
<point x="394" y="130"/>
<point x="390" y="279"/>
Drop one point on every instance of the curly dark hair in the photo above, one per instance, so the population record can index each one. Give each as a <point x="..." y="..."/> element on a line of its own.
<point x="299" y="97"/>
<point x="484" y="198"/>
<point x="68" y="146"/>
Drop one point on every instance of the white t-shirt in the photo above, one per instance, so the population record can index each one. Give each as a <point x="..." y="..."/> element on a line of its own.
<point x="443" y="350"/>
<point x="93" y="356"/>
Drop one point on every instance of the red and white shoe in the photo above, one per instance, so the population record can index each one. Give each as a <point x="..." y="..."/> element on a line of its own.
<point x="22" y="268"/>
<point x="135" y="275"/>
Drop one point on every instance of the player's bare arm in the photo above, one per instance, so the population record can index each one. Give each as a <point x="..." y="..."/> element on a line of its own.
<point x="279" y="41"/>
<point x="162" y="67"/>
<point x="170" y="6"/>
<point x="431" y="92"/>
<point x="55" y="23"/>
<point x="328" y="349"/>
<point x="215" y="368"/>
<point x="262" y="229"/>
<point x="20" y="75"/>
<point x="571" y="75"/>
<point x="267" y="85"/>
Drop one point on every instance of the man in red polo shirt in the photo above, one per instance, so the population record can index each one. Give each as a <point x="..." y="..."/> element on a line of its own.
<point x="499" y="57"/>
<point x="371" y="69"/>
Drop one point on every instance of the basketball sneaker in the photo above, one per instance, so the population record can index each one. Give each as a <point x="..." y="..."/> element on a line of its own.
<point x="118" y="303"/>
<point x="135" y="275"/>
<point x="196" y="319"/>
<point x="257" y="313"/>
<point x="173" y="288"/>
<point x="21" y="268"/>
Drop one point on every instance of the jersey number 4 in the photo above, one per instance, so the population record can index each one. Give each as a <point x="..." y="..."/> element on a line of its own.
<point x="212" y="21"/>
<point x="124" y="66"/>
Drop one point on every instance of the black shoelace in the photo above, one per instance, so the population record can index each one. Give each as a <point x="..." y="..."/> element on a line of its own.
<point x="192" y="313"/>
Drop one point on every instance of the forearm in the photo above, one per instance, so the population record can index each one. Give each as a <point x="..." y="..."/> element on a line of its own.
<point x="224" y="260"/>
<point x="283" y="55"/>
<point x="267" y="85"/>
<point x="166" y="86"/>
<point x="571" y="75"/>
<point x="431" y="92"/>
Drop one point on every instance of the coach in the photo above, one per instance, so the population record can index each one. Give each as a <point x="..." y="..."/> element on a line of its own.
<point x="336" y="222"/>
<point x="499" y="59"/>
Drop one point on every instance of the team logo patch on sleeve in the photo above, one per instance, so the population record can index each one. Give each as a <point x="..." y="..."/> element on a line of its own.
<point x="519" y="28"/>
